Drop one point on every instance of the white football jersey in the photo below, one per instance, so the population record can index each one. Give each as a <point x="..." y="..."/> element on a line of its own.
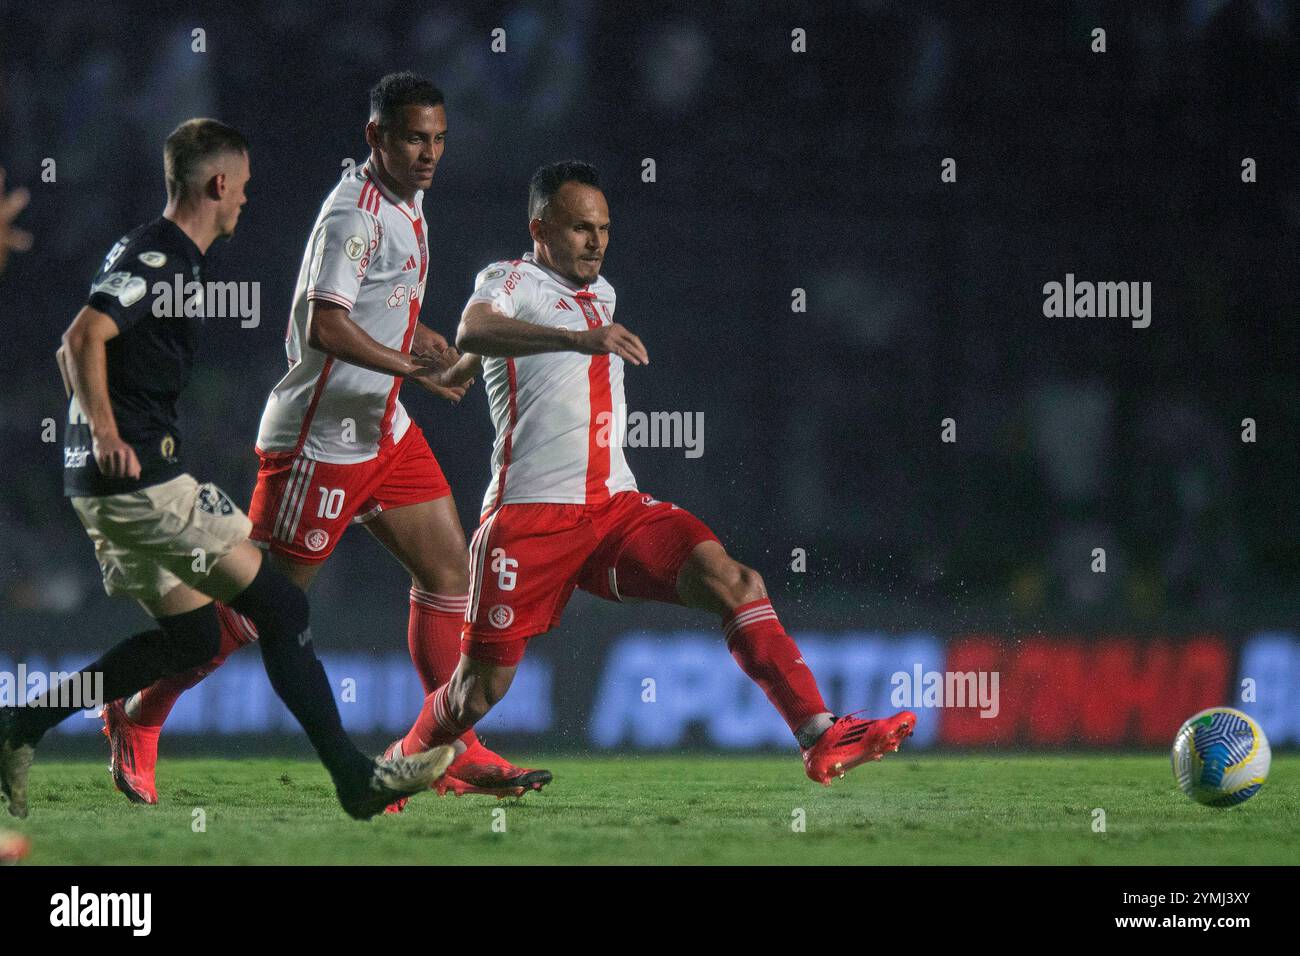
<point x="368" y="253"/>
<point x="556" y="434"/>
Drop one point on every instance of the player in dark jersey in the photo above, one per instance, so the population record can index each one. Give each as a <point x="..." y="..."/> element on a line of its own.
<point x="160" y="536"/>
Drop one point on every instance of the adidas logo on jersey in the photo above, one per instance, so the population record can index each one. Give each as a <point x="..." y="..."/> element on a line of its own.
<point x="410" y="264"/>
<point x="564" y="305"/>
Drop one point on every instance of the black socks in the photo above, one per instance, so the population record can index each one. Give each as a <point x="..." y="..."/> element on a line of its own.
<point x="280" y="611"/>
<point x="181" y="641"/>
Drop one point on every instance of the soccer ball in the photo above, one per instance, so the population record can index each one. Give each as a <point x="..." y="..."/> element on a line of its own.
<point x="1220" y="757"/>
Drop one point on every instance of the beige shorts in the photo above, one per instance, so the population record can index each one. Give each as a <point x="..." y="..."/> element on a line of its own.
<point x="149" y="541"/>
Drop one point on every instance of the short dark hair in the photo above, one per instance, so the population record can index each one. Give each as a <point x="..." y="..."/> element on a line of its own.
<point x="396" y="90"/>
<point x="192" y="144"/>
<point x="546" y="182"/>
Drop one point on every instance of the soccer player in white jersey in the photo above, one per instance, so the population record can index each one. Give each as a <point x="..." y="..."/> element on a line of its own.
<point x="563" y="509"/>
<point x="335" y="444"/>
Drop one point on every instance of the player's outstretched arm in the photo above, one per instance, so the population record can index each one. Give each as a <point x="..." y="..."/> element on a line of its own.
<point x="86" y="364"/>
<point x="331" y="330"/>
<point x="485" y="331"/>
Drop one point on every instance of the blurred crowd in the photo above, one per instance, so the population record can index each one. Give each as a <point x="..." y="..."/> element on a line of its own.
<point x="772" y="171"/>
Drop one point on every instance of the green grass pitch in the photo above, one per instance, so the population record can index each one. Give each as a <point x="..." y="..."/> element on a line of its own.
<point x="906" y="809"/>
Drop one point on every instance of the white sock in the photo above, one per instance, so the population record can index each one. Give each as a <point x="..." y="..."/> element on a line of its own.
<point x="812" y="729"/>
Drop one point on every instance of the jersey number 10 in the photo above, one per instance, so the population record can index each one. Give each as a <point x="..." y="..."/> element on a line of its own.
<point x="331" y="503"/>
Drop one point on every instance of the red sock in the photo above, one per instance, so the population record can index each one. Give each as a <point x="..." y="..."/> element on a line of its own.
<point x="434" y="726"/>
<point x="158" y="699"/>
<point x="433" y="637"/>
<point x="772" y="660"/>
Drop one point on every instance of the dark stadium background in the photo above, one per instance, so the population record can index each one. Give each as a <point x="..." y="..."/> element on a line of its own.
<point x="775" y="171"/>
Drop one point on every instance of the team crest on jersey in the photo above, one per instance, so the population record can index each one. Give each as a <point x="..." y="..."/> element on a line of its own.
<point x="154" y="260"/>
<point x="354" y="247"/>
<point x="214" y="501"/>
<point x="316" y="539"/>
<point x="501" y="616"/>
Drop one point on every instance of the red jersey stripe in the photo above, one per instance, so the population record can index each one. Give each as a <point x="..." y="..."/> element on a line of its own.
<point x="513" y="380"/>
<point x="413" y="318"/>
<point x="311" y="409"/>
<point x="602" y="411"/>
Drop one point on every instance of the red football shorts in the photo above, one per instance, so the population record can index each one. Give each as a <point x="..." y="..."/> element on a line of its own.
<point x="301" y="507"/>
<point x="526" y="559"/>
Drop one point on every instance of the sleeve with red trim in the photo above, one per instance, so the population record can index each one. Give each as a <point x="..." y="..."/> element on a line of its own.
<point x="343" y="246"/>
<point x="510" y="291"/>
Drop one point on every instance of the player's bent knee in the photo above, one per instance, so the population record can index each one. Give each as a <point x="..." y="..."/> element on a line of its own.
<point x="276" y="606"/>
<point x="749" y="585"/>
<point x="190" y="639"/>
<point x="735" y="584"/>
<point x="450" y="579"/>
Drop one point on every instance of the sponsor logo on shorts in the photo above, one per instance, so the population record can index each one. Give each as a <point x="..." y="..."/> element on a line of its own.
<point x="501" y="616"/>
<point x="76" y="457"/>
<point x="650" y="502"/>
<point x="316" y="539"/>
<point x="214" y="501"/>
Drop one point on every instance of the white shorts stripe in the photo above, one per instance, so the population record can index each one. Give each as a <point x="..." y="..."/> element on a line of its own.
<point x="285" y="495"/>
<point x="478" y="566"/>
<point x="290" y="497"/>
<point x="295" y="503"/>
<point x="302" y="498"/>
